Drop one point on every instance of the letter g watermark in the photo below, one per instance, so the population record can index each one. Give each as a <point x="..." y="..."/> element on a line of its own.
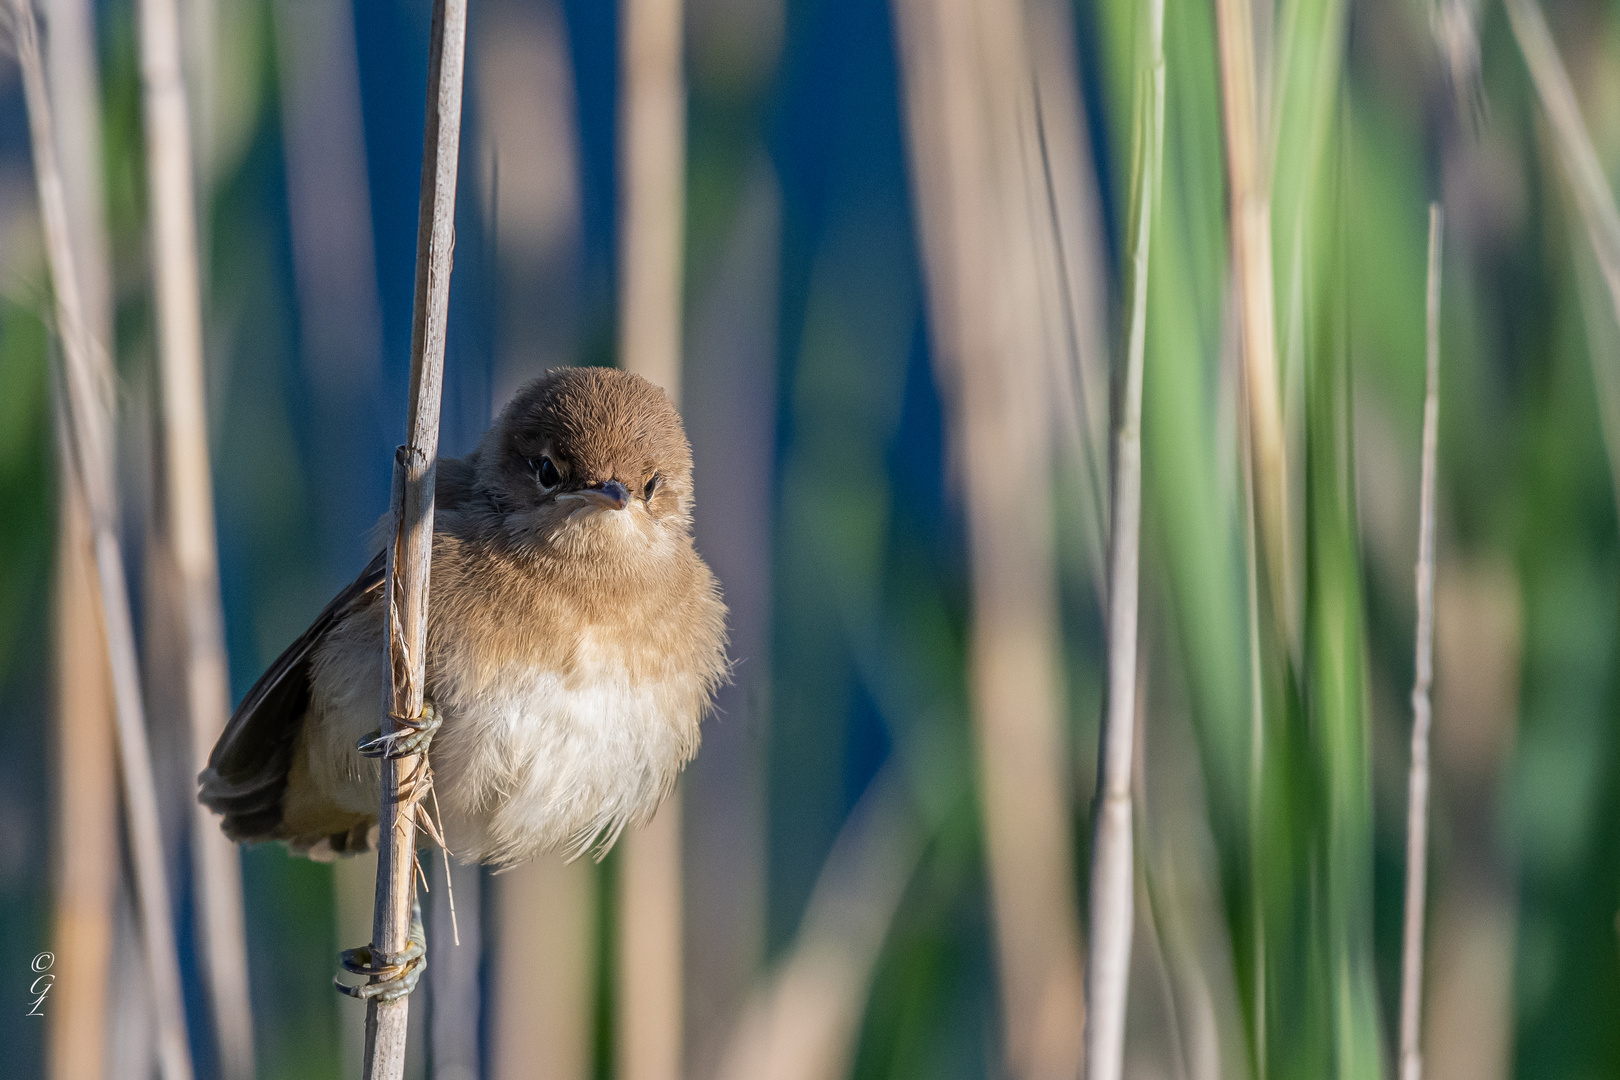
<point x="42" y="985"/>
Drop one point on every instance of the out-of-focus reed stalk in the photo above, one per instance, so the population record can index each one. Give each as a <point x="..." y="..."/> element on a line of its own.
<point x="1264" y="444"/>
<point x="652" y="190"/>
<point x="73" y="81"/>
<point x="1257" y="743"/>
<point x="967" y="89"/>
<point x="1068" y="229"/>
<point x="199" y="36"/>
<point x="188" y="501"/>
<point x="1248" y="192"/>
<point x="410" y="552"/>
<point x="86" y="838"/>
<point x="1417" y="785"/>
<point x="730" y="399"/>
<point x="1593" y="196"/>
<point x="328" y="201"/>
<point x="1113" y="879"/>
<point x="652" y="208"/>
<point x="455" y="917"/>
<point x="544" y="979"/>
<point x="804" y="1020"/>
<point x="85" y="419"/>
<point x="650" y="947"/>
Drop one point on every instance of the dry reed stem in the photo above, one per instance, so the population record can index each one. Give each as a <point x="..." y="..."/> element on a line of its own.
<point x="1417" y="811"/>
<point x="650" y="949"/>
<point x="189" y="504"/>
<point x="1112" y="874"/>
<point x="85" y="419"/>
<point x="1593" y="196"/>
<point x="1248" y="191"/>
<point x="969" y="107"/>
<point x="804" y="1021"/>
<point x="652" y="186"/>
<point x="72" y="80"/>
<point x="543" y="984"/>
<point x="652" y="198"/>
<point x="328" y="201"/>
<point x="1593" y="199"/>
<point x="1591" y="186"/>
<point x="1068" y="228"/>
<point x="86" y="819"/>
<point x="411" y="552"/>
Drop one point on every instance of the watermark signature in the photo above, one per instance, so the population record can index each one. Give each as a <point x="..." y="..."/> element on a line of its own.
<point x="42" y="985"/>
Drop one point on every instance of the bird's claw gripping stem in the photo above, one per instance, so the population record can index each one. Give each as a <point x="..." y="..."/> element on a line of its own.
<point x="410" y="737"/>
<point x="390" y="976"/>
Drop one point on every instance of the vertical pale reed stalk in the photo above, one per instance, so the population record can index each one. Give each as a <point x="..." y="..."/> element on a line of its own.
<point x="189" y="503"/>
<point x="1248" y="191"/>
<point x="969" y="108"/>
<point x="199" y="35"/>
<point x="454" y="915"/>
<point x="1593" y="196"/>
<point x="328" y="200"/>
<point x="804" y="1020"/>
<point x="411" y="551"/>
<point x="1069" y="231"/>
<point x="86" y="819"/>
<point x="1264" y="445"/>
<point x="1112" y="875"/>
<point x="652" y="208"/>
<point x="85" y="417"/>
<point x="73" y="81"/>
<point x="1417" y="785"/>
<point x="544" y="979"/>
<point x="652" y="190"/>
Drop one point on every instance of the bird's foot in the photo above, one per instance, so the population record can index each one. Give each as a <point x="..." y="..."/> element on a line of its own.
<point x="408" y="737"/>
<point x="390" y="976"/>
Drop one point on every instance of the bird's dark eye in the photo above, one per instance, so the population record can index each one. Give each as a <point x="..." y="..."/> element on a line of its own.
<point x="652" y="487"/>
<point x="545" y="472"/>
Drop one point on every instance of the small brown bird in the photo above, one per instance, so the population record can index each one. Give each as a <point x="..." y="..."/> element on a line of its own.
<point x="575" y="642"/>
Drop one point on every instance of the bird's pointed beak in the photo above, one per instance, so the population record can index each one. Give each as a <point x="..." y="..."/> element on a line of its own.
<point x="609" y="494"/>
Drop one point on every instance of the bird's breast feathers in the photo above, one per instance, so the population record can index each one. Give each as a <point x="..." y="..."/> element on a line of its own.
<point x="559" y="728"/>
<point x="537" y="757"/>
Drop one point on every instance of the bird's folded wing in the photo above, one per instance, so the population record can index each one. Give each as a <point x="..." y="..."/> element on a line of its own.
<point x="247" y="771"/>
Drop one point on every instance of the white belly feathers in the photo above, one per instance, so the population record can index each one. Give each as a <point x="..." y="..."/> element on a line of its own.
<point x="534" y="760"/>
<point x="530" y="758"/>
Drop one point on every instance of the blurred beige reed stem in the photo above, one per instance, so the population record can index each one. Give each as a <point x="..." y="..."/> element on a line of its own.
<point x="1264" y="445"/>
<point x="84" y="412"/>
<point x="652" y="190"/>
<point x="650" y="999"/>
<point x="1417" y="785"/>
<point x="1248" y="191"/>
<point x="969" y="109"/>
<point x="1593" y="196"/>
<point x="411" y="551"/>
<point x="86" y="818"/>
<point x="1068" y="230"/>
<point x="1113" y="879"/>
<point x="804" y="1019"/>
<point x="188" y="502"/>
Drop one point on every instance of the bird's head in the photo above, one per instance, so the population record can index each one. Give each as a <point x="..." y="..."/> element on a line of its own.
<point x="590" y="460"/>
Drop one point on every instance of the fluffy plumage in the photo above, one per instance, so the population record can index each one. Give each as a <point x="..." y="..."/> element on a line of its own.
<point x="575" y="641"/>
